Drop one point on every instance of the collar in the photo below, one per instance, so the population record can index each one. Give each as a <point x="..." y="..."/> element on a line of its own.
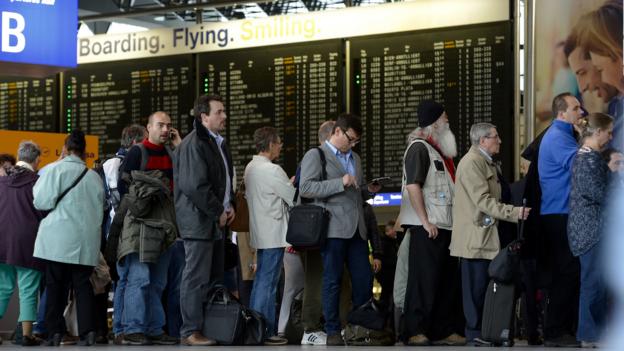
<point x="336" y="151"/>
<point x="218" y="138"/>
<point x="563" y="125"/>
<point x="152" y="146"/>
<point x="261" y="158"/>
<point x="24" y="165"/>
<point x="485" y="154"/>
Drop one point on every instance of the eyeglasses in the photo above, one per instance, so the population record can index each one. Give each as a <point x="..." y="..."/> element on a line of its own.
<point x="352" y="141"/>
<point x="492" y="137"/>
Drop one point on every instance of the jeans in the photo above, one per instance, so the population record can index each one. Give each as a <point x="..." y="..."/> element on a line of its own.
<point x="118" y="304"/>
<point x="142" y="306"/>
<point x="335" y="253"/>
<point x="40" y="326"/>
<point x="174" y="277"/>
<point x="593" y="299"/>
<point x="264" y="291"/>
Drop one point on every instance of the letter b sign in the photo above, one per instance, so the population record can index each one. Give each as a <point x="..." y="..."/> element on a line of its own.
<point x="13" y="39"/>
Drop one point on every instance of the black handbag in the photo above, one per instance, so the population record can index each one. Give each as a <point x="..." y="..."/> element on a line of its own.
<point x="228" y="322"/>
<point x="223" y="317"/>
<point x="504" y="266"/>
<point x="368" y="315"/>
<point x="308" y="224"/>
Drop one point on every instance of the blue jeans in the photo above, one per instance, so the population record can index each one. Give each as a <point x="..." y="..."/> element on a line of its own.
<point x="593" y="297"/>
<point x="120" y="287"/>
<point x="264" y="289"/>
<point x="40" y="326"/>
<point x="142" y="310"/>
<point x="174" y="277"/>
<point x="335" y="253"/>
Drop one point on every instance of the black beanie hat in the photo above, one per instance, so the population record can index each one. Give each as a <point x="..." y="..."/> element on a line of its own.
<point x="428" y="112"/>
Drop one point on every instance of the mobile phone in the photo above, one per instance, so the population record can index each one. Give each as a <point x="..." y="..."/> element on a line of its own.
<point x="171" y="135"/>
<point x="381" y="180"/>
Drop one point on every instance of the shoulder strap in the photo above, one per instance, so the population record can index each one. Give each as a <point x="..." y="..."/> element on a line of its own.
<point x="71" y="186"/>
<point x="323" y="171"/>
<point x="144" y="156"/>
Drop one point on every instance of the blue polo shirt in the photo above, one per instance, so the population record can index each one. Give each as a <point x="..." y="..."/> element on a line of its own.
<point x="556" y="154"/>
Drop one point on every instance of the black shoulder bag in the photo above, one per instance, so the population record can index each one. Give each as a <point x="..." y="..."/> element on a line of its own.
<point x="308" y="224"/>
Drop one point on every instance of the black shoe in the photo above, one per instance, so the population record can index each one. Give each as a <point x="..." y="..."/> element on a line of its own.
<point x="54" y="340"/>
<point x="335" y="340"/>
<point x="562" y="341"/>
<point x="87" y="340"/>
<point x="535" y="340"/>
<point x="137" y="339"/>
<point x="164" y="339"/>
<point x="28" y="340"/>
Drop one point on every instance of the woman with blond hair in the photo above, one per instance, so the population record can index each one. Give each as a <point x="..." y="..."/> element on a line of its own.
<point x="590" y="175"/>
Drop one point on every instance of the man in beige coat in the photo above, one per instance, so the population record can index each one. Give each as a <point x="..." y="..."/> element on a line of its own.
<point x="476" y="209"/>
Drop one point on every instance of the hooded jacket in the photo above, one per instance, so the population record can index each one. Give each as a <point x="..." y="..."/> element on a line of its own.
<point x="20" y="219"/>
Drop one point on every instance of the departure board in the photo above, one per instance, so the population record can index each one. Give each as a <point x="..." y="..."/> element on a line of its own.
<point x="467" y="69"/>
<point x="293" y="88"/>
<point x="103" y="98"/>
<point x="29" y="104"/>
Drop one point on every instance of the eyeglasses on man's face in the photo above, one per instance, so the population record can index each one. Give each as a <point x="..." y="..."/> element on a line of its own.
<point x="352" y="140"/>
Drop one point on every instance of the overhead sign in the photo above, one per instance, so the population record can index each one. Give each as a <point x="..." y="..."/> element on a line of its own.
<point x="38" y="32"/>
<point x="51" y="145"/>
<point x="294" y="28"/>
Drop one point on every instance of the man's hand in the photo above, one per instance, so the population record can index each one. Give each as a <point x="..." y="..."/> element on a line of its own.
<point x="431" y="229"/>
<point x="176" y="139"/>
<point x="230" y="215"/>
<point x="349" y="180"/>
<point x="523" y="215"/>
<point x="376" y="265"/>
<point x="223" y="219"/>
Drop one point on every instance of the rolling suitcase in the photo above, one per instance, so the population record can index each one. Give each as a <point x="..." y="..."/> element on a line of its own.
<point x="498" y="314"/>
<point x="500" y="298"/>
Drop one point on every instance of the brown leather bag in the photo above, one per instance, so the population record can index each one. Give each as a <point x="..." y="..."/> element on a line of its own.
<point x="241" y="220"/>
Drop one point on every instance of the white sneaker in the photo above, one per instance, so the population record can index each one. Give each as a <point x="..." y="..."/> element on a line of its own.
<point x="314" y="338"/>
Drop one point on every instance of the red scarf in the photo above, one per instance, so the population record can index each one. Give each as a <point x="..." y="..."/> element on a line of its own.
<point x="448" y="161"/>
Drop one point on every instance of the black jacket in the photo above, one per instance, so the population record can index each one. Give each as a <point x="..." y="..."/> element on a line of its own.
<point x="199" y="178"/>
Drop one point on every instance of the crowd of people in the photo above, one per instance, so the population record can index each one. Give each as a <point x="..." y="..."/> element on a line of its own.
<point x="152" y="226"/>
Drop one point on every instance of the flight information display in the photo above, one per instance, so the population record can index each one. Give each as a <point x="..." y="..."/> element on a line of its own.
<point x="103" y="98"/>
<point x="293" y="88"/>
<point x="467" y="69"/>
<point x="29" y="104"/>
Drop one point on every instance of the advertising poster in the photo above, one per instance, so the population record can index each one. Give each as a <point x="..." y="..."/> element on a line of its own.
<point x="561" y="64"/>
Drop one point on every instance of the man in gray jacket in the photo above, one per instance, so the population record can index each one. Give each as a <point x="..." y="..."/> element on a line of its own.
<point x="340" y="194"/>
<point x="204" y="205"/>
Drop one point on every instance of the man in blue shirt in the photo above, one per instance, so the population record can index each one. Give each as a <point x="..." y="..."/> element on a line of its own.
<point x="557" y="152"/>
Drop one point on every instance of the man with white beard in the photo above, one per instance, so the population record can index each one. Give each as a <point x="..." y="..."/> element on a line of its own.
<point x="432" y="301"/>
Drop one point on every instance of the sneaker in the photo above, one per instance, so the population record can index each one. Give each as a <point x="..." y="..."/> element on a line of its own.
<point x="591" y="345"/>
<point x="163" y="339"/>
<point x="478" y="342"/>
<point x="275" y="341"/>
<point x="136" y="339"/>
<point x="314" y="338"/>
<point x="418" y="340"/>
<point x="562" y="341"/>
<point x="335" y="340"/>
<point x="118" y="340"/>
<point x="451" y="340"/>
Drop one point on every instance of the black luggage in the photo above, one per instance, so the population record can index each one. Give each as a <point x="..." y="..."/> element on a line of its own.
<point x="498" y="314"/>
<point x="228" y="322"/>
<point x="500" y="299"/>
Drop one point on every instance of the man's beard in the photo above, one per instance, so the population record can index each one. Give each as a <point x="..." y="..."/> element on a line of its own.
<point x="446" y="140"/>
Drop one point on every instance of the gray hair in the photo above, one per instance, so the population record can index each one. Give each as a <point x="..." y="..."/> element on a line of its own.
<point x="325" y="131"/>
<point x="420" y="133"/>
<point x="132" y="134"/>
<point x="28" y="151"/>
<point x="480" y="130"/>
